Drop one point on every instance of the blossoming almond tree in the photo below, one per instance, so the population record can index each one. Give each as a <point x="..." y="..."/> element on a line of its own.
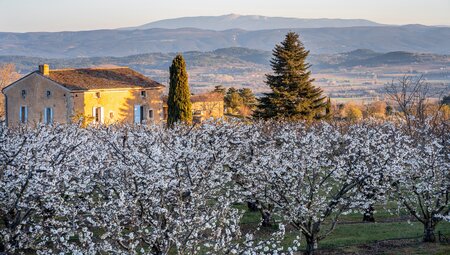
<point x="43" y="190"/>
<point x="423" y="187"/>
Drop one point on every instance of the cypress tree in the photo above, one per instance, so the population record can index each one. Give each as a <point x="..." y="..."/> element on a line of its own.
<point x="328" y="109"/>
<point x="179" y="101"/>
<point x="293" y="95"/>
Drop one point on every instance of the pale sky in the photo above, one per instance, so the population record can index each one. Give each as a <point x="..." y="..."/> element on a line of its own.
<point x="73" y="15"/>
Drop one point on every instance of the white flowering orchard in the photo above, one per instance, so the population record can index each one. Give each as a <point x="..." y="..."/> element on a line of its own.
<point x="152" y="190"/>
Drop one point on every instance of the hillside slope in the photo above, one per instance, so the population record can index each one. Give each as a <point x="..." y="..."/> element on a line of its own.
<point x="129" y="42"/>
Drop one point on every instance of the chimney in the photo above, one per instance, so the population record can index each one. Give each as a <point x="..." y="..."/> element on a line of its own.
<point x="44" y="69"/>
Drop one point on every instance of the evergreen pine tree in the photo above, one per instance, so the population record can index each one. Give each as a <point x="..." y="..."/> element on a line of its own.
<point x="179" y="101"/>
<point x="293" y="95"/>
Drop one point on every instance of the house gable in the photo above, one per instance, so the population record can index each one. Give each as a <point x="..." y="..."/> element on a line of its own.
<point x="36" y="93"/>
<point x="27" y="78"/>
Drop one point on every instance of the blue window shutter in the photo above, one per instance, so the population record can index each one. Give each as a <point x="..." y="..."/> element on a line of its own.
<point x="45" y="116"/>
<point x="137" y="114"/>
<point x="51" y="115"/>
<point x="26" y="114"/>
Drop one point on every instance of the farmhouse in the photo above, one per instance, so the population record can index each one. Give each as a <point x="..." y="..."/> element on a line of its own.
<point x="204" y="106"/>
<point x="98" y="95"/>
<point x="207" y="105"/>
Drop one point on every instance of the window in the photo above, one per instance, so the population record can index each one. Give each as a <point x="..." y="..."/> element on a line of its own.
<point x="97" y="113"/>
<point x="23" y="114"/>
<point x="143" y="93"/>
<point x="150" y="114"/>
<point x="24" y="93"/>
<point x="165" y="112"/>
<point x="48" y="115"/>
<point x="141" y="117"/>
<point x="97" y="95"/>
<point x="49" y="93"/>
<point x="138" y="114"/>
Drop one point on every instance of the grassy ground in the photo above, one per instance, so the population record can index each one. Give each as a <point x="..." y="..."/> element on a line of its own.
<point x="394" y="233"/>
<point x="390" y="247"/>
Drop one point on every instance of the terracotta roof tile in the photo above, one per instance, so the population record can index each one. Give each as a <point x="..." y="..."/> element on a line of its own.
<point x="101" y="78"/>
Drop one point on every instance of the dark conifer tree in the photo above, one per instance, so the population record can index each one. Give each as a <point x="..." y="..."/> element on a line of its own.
<point x="328" y="109"/>
<point x="293" y="95"/>
<point x="179" y="101"/>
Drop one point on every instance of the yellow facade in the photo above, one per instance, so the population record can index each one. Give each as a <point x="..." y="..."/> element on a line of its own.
<point x="207" y="109"/>
<point x="118" y="105"/>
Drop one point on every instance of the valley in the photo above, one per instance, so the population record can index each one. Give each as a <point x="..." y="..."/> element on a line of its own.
<point x="357" y="75"/>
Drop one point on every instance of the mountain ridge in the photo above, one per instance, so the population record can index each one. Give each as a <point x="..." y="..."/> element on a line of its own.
<point x="98" y="43"/>
<point x="250" y="23"/>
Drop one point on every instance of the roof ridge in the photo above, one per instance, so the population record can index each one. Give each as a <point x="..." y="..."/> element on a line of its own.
<point x="102" y="78"/>
<point x="90" y="68"/>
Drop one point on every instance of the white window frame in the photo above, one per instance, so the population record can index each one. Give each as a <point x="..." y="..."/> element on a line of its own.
<point x="102" y="115"/>
<point x="152" y="117"/>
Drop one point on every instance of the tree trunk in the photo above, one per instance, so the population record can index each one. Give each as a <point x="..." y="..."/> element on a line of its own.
<point x="368" y="215"/>
<point x="428" y="232"/>
<point x="266" y="219"/>
<point x="311" y="245"/>
<point x="252" y="206"/>
<point x="156" y="250"/>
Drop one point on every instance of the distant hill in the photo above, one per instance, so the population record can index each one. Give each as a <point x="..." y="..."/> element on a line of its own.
<point x="412" y="38"/>
<point x="369" y="58"/>
<point x="227" y="58"/>
<point x="246" y="54"/>
<point x="251" y="22"/>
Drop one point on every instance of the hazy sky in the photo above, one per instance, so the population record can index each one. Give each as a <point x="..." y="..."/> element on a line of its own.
<point x="61" y="15"/>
